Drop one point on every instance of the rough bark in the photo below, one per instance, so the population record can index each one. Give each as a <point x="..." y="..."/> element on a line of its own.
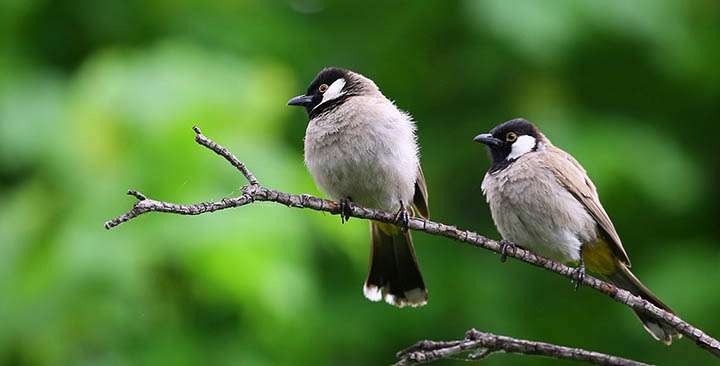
<point x="478" y="345"/>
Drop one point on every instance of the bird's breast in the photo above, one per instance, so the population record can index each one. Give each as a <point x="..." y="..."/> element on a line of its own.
<point x="531" y="208"/>
<point x="368" y="156"/>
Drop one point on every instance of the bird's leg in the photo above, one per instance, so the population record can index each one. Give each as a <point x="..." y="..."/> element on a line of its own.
<point x="345" y="209"/>
<point x="579" y="273"/>
<point x="504" y="246"/>
<point x="402" y="218"/>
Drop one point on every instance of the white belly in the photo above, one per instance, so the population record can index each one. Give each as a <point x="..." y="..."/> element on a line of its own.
<point x="536" y="212"/>
<point x="369" y="156"/>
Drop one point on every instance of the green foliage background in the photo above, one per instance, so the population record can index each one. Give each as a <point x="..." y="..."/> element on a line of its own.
<point x="99" y="96"/>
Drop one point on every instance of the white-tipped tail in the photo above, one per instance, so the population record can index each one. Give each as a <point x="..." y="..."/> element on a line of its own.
<point x="416" y="297"/>
<point x="390" y="299"/>
<point x="372" y="292"/>
<point x="413" y="298"/>
<point x="394" y="274"/>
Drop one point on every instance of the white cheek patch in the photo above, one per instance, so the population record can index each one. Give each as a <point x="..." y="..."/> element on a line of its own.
<point x="523" y="145"/>
<point x="334" y="91"/>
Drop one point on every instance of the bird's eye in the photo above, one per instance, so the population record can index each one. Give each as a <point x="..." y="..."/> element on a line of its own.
<point x="323" y="88"/>
<point x="510" y="137"/>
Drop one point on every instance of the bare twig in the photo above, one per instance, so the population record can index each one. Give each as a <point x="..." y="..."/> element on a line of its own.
<point x="225" y="153"/>
<point x="255" y="192"/>
<point x="478" y="345"/>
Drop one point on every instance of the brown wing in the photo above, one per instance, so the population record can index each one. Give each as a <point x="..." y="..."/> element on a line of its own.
<point x="574" y="178"/>
<point x="420" y="199"/>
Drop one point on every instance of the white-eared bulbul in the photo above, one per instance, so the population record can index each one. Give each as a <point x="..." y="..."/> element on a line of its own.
<point x="360" y="148"/>
<point x="542" y="199"/>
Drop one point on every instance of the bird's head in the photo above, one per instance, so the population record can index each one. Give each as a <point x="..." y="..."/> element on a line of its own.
<point x="330" y="88"/>
<point x="510" y="140"/>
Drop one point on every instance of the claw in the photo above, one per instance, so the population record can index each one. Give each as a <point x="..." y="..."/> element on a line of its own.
<point x="504" y="246"/>
<point x="402" y="217"/>
<point x="579" y="274"/>
<point x="345" y="209"/>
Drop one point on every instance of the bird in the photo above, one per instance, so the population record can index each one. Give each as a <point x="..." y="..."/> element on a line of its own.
<point x="542" y="199"/>
<point x="361" y="149"/>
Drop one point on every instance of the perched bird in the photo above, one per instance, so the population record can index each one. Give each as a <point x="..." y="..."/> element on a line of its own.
<point x="360" y="148"/>
<point x="542" y="199"/>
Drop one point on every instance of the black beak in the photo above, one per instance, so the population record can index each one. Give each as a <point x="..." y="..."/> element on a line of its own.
<point x="302" y="100"/>
<point x="488" y="139"/>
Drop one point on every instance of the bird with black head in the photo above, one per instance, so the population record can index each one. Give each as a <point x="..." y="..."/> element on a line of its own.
<point x="542" y="199"/>
<point x="360" y="148"/>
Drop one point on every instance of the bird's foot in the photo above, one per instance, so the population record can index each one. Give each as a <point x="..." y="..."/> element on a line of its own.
<point x="504" y="247"/>
<point x="402" y="217"/>
<point x="345" y="209"/>
<point x="578" y="275"/>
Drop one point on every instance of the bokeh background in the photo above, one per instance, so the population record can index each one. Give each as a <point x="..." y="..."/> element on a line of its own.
<point x="99" y="96"/>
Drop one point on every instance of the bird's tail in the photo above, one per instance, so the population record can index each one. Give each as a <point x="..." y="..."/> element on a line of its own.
<point x="394" y="272"/>
<point x="622" y="277"/>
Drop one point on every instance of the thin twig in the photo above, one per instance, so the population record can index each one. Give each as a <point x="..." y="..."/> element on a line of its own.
<point x="478" y="345"/>
<point x="255" y="192"/>
<point x="225" y="153"/>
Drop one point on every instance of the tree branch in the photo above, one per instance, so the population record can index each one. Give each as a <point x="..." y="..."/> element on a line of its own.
<point x="210" y="144"/>
<point x="254" y="191"/>
<point x="478" y="345"/>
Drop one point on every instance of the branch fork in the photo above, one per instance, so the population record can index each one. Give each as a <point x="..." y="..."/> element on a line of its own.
<point x="254" y="191"/>
<point x="478" y="345"/>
